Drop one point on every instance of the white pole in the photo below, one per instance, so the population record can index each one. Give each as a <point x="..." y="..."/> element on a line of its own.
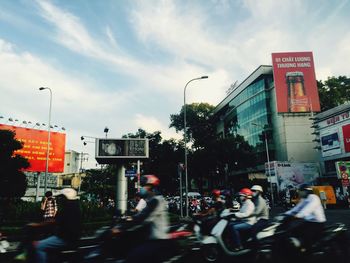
<point x="48" y="139"/>
<point x="138" y="175"/>
<point x="185" y="141"/>
<point x="37" y="186"/>
<point x="122" y="190"/>
<point x="268" y="167"/>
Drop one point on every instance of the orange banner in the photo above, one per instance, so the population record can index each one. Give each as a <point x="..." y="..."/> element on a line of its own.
<point x="35" y="148"/>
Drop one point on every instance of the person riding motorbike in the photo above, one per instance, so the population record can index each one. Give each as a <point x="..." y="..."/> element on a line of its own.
<point x="261" y="209"/>
<point x="306" y="220"/>
<point x="216" y="207"/>
<point x="141" y="203"/>
<point x="157" y="247"/>
<point x="246" y="218"/>
<point x="68" y="226"/>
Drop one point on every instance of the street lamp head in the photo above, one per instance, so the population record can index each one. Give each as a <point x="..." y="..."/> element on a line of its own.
<point x="82" y="138"/>
<point x="106" y="130"/>
<point x="204" y="77"/>
<point x="42" y="88"/>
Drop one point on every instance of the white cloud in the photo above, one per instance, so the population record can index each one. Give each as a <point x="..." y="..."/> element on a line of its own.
<point x="152" y="124"/>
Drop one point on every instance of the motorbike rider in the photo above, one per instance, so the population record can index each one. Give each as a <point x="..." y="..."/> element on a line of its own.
<point x="309" y="216"/>
<point x="261" y="209"/>
<point x="141" y="203"/>
<point x="246" y="218"/>
<point x="67" y="222"/>
<point x="216" y="207"/>
<point x="157" y="247"/>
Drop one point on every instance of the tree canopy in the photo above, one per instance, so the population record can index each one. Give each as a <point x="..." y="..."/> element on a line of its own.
<point x="333" y="92"/>
<point x="13" y="181"/>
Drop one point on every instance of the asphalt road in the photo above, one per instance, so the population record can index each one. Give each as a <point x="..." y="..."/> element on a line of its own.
<point x="332" y="215"/>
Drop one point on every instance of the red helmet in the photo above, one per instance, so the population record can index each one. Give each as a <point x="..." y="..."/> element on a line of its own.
<point x="246" y="192"/>
<point x="150" y="179"/>
<point x="216" y="192"/>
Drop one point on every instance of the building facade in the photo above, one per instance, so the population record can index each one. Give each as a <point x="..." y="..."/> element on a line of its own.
<point x="332" y="134"/>
<point x="250" y="110"/>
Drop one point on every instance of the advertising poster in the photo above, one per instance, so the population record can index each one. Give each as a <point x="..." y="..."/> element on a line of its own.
<point x="291" y="175"/>
<point x="343" y="171"/>
<point x="295" y="82"/>
<point x="346" y="137"/>
<point x="330" y="142"/>
<point x="35" y="148"/>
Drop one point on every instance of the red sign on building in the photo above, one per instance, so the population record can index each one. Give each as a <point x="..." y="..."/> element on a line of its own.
<point x="346" y="137"/>
<point x="35" y="148"/>
<point x="295" y="82"/>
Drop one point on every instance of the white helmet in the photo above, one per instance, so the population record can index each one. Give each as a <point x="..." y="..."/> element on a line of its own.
<point x="69" y="193"/>
<point x="256" y="188"/>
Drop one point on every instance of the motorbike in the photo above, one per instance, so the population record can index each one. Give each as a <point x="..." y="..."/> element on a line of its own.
<point x="276" y="244"/>
<point x="272" y="243"/>
<point x="113" y="247"/>
<point x="4" y="244"/>
<point x="214" y="236"/>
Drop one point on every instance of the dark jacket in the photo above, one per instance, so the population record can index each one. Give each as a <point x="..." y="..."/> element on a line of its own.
<point x="68" y="221"/>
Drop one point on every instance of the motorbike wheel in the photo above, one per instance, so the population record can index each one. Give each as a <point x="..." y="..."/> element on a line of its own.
<point x="211" y="253"/>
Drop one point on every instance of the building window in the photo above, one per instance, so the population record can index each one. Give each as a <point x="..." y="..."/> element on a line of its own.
<point x="66" y="182"/>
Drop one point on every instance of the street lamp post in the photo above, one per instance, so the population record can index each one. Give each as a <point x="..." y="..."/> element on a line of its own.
<point x="268" y="161"/>
<point x="106" y="131"/>
<point x="185" y="139"/>
<point x="48" y="139"/>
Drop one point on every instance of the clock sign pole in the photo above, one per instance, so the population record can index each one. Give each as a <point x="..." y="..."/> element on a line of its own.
<point x="121" y="152"/>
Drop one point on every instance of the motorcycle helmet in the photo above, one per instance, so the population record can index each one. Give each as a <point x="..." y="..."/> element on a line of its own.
<point x="305" y="190"/>
<point x="150" y="179"/>
<point x="69" y="193"/>
<point x="246" y="192"/>
<point x="216" y="192"/>
<point x="305" y="187"/>
<point x="257" y="188"/>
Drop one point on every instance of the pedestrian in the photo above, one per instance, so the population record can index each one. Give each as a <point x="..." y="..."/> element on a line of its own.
<point x="49" y="207"/>
<point x="323" y="198"/>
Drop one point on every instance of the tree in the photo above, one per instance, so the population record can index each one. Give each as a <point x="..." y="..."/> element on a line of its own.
<point x="199" y="122"/>
<point x="100" y="183"/>
<point x="164" y="156"/>
<point x="13" y="181"/>
<point x="333" y="92"/>
<point x="209" y="155"/>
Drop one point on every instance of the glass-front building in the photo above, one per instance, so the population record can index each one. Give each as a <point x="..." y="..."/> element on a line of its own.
<point x="247" y="112"/>
<point x="250" y="110"/>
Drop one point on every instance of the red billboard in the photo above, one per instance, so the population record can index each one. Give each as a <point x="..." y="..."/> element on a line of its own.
<point x="346" y="137"/>
<point x="295" y="82"/>
<point x="35" y="148"/>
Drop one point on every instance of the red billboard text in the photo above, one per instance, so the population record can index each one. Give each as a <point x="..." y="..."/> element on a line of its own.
<point x="295" y="82"/>
<point x="35" y="148"/>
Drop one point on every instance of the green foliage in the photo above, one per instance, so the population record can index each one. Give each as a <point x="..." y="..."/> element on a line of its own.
<point x="200" y="125"/>
<point x="93" y="212"/>
<point x="12" y="180"/>
<point x="333" y="92"/>
<point x="21" y="211"/>
<point x="100" y="183"/>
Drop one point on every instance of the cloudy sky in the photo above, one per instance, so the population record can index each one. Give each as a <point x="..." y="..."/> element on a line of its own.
<point x="123" y="64"/>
